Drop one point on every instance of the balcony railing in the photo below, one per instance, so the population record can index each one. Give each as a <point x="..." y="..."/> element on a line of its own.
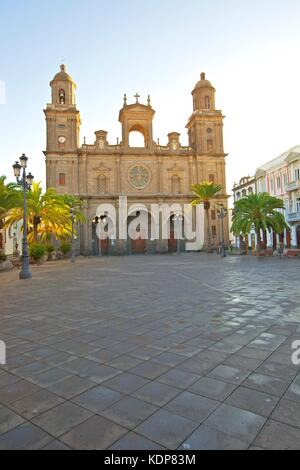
<point x="293" y="217"/>
<point x="293" y="186"/>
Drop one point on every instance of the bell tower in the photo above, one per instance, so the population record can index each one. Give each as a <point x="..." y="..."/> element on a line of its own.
<point x="62" y="116"/>
<point x="205" y="126"/>
<point x="137" y="117"/>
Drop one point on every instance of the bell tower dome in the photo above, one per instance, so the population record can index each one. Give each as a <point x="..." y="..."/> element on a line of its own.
<point x="63" y="88"/>
<point x="203" y="95"/>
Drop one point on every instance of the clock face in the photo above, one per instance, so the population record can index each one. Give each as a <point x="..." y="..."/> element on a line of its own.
<point x="139" y="176"/>
<point x="61" y="139"/>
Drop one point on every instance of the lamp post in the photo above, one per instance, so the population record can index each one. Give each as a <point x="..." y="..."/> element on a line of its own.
<point x="222" y="213"/>
<point x="73" y="258"/>
<point x="177" y="220"/>
<point x="25" y="181"/>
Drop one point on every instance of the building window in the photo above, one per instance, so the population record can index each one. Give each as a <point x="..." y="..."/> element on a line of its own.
<point x="250" y="190"/>
<point x="272" y="185"/>
<point x="298" y="204"/>
<point x="62" y="179"/>
<point x="297" y="174"/>
<point x="175" y="184"/>
<point x="244" y="193"/>
<point x="207" y="102"/>
<point x="214" y="230"/>
<point x="213" y="214"/>
<point x="211" y="178"/>
<point x="209" y="130"/>
<point x="62" y="96"/>
<point x="285" y="181"/>
<point x="278" y="182"/>
<point x="102" y="184"/>
<point x="209" y="145"/>
<point x="238" y="195"/>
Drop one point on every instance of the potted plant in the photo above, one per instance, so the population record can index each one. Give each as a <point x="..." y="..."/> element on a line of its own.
<point x="65" y="248"/>
<point x="50" y="251"/>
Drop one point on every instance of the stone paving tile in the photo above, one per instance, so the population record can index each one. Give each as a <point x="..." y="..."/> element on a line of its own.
<point x="96" y="433"/>
<point x="191" y="406"/>
<point x="278" y="370"/>
<point x="7" y="379"/>
<point x="287" y="412"/>
<point x="205" y="438"/>
<point x="252" y="400"/>
<point x="229" y="374"/>
<point x="71" y="387"/>
<point x="169" y="359"/>
<point x="36" y="404"/>
<point x="98" y="398"/>
<point x="61" y="419"/>
<point x="31" y="369"/>
<point x="49" y="377"/>
<point x="16" y="391"/>
<point x="278" y="436"/>
<point x="125" y="362"/>
<point x="126" y="383"/>
<point x="149" y="370"/>
<point x="166" y="429"/>
<point x="238" y="423"/>
<point x="56" y="445"/>
<point x="212" y="388"/>
<point x="8" y="420"/>
<point x="293" y="392"/>
<point x="178" y="378"/>
<point x="24" y="437"/>
<point x="144" y="353"/>
<point x="156" y="393"/>
<point x="241" y="362"/>
<point x="267" y="384"/>
<point x="59" y="358"/>
<point x="133" y="441"/>
<point x="102" y="356"/>
<point x="129" y="412"/>
<point x="253" y="353"/>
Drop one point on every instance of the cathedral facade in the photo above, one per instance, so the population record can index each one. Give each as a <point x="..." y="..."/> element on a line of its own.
<point x="99" y="173"/>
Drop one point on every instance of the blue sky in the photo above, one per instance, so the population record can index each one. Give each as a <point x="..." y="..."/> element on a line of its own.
<point x="248" y="49"/>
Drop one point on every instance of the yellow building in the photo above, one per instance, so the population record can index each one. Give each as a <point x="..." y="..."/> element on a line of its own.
<point x="153" y="174"/>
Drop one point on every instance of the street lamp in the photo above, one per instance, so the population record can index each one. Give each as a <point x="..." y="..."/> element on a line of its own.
<point x="25" y="181"/>
<point x="222" y="213"/>
<point x="73" y="258"/>
<point x="177" y="218"/>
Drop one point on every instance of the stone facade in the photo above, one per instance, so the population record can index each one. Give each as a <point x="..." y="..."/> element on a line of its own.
<point x="154" y="174"/>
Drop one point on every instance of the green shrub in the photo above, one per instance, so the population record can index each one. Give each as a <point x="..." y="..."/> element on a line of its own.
<point x="65" y="247"/>
<point x="2" y="257"/>
<point x="50" y="248"/>
<point x="37" y="251"/>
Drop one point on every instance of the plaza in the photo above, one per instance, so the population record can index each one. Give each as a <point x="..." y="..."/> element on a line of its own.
<point x="151" y="352"/>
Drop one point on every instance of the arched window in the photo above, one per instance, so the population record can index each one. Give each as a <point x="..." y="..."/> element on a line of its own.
<point x="238" y="195"/>
<point x="102" y="184"/>
<point x="175" y="184"/>
<point x="244" y="193"/>
<point x="62" y="96"/>
<point x="207" y="102"/>
<point x="250" y="190"/>
<point x="209" y="145"/>
<point x="136" y="139"/>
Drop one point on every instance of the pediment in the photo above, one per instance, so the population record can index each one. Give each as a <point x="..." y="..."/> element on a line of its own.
<point x="102" y="168"/>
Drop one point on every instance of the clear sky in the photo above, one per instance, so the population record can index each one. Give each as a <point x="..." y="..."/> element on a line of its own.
<point x="249" y="50"/>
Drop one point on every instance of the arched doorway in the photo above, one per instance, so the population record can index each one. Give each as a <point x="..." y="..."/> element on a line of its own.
<point x="100" y="247"/>
<point x="176" y="229"/>
<point x="138" y="245"/>
<point x="298" y="236"/>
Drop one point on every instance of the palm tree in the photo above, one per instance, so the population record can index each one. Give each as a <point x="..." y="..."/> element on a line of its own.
<point x="205" y="192"/>
<point x="9" y="196"/>
<point x="76" y="205"/>
<point x="47" y="214"/>
<point x="260" y="210"/>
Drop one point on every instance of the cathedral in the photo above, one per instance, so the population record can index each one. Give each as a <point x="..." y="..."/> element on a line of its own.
<point x="99" y="173"/>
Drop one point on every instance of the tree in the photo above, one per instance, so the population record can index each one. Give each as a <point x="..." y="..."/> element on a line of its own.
<point x="47" y="213"/>
<point x="205" y="192"/>
<point x="260" y="210"/>
<point x="9" y="197"/>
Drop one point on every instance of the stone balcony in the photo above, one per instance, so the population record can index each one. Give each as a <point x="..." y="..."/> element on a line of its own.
<point x="293" y="185"/>
<point x="293" y="217"/>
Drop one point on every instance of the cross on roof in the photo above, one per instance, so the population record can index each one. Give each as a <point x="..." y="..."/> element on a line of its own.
<point x="137" y="96"/>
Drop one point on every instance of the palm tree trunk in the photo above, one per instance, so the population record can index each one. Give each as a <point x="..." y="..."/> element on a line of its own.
<point x="258" y="247"/>
<point x="35" y="232"/>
